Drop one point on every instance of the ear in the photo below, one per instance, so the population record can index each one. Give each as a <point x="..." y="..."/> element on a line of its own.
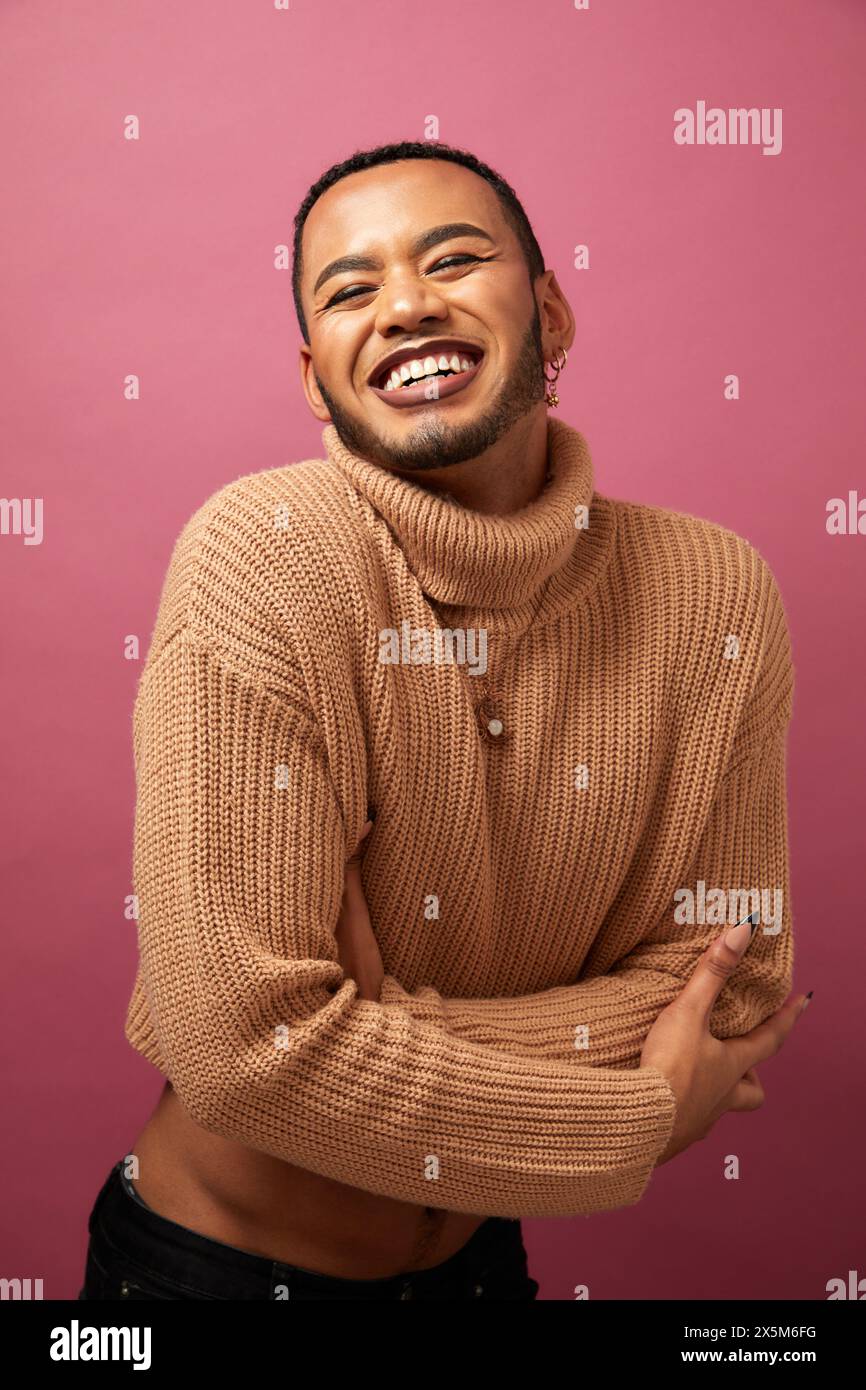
<point x="310" y="386"/>
<point x="554" y="310"/>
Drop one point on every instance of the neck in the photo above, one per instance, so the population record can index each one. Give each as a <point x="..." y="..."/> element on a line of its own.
<point x="507" y="476"/>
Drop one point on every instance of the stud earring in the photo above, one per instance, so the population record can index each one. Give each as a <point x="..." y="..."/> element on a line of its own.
<point x="551" y="396"/>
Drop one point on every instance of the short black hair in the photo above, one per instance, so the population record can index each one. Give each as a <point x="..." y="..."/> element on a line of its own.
<point x="415" y="149"/>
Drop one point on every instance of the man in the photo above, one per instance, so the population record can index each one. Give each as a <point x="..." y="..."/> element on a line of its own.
<point x="564" y="717"/>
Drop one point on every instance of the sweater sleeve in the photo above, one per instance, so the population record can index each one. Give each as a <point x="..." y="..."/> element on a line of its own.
<point x="239" y="855"/>
<point x="603" y="1021"/>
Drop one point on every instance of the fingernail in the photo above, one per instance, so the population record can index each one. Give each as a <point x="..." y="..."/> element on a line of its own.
<point x="805" y="1003"/>
<point x="737" y="937"/>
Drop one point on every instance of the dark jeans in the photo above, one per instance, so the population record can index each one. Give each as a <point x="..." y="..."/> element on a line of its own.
<point x="135" y="1253"/>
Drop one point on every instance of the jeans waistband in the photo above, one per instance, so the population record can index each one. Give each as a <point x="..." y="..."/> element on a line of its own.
<point x="167" y="1250"/>
<point x="131" y="1191"/>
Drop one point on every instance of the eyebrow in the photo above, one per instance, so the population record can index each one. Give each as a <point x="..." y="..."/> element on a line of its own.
<point x="431" y="237"/>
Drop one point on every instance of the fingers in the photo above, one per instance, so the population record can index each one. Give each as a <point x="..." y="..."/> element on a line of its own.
<point x="715" y="967"/>
<point x="748" y="1094"/>
<point x="767" y="1038"/>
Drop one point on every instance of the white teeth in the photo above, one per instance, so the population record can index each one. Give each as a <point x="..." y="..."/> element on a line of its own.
<point x="416" y="369"/>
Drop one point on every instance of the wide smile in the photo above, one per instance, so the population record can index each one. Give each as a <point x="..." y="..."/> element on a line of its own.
<point x="428" y="379"/>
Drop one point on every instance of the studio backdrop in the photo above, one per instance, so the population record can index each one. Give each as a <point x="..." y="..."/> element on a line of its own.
<point x="154" y="157"/>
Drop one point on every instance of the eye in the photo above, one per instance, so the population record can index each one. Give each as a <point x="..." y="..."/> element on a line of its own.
<point x="353" y="291"/>
<point x="464" y="256"/>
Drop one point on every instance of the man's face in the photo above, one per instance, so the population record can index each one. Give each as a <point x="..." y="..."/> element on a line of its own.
<point x="469" y="287"/>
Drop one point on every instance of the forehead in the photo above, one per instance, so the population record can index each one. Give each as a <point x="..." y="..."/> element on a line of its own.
<point x="380" y="210"/>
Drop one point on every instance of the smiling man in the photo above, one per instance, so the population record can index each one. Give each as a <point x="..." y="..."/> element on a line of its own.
<point x="375" y="1071"/>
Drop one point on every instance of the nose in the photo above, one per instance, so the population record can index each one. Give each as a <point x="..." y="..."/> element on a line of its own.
<point x="405" y="303"/>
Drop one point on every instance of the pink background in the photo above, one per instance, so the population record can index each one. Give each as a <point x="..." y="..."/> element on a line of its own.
<point x="155" y="257"/>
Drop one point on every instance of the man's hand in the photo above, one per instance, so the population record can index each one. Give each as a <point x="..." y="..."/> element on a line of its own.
<point x="707" y="1075"/>
<point x="357" y="946"/>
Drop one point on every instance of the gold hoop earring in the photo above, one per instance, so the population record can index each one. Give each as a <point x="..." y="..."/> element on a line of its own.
<point x="551" y="396"/>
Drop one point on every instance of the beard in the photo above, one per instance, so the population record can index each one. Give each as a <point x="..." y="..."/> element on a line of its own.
<point x="435" y="444"/>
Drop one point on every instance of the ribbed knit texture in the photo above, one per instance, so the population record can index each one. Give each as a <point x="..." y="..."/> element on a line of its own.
<point x="513" y="905"/>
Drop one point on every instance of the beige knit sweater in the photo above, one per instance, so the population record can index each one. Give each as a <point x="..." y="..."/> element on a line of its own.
<point x="526" y="887"/>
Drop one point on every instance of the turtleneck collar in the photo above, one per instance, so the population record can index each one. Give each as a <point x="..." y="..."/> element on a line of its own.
<point x="535" y="559"/>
